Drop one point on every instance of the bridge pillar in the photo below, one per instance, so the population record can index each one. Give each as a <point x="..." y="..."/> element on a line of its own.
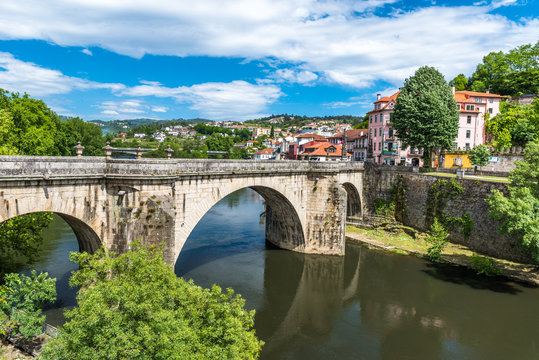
<point x="326" y="215"/>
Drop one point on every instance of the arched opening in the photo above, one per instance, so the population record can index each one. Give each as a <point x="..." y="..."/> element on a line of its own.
<point x="61" y="236"/>
<point x="353" y="201"/>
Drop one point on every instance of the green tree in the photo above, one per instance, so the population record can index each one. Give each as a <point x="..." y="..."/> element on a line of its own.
<point x="238" y="153"/>
<point x="7" y="134"/>
<point x="20" y="240"/>
<point x="513" y="73"/>
<point x="75" y="129"/>
<point x="219" y="142"/>
<point x="23" y="298"/>
<point x="519" y="213"/>
<point x="514" y="125"/>
<point x="460" y="82"/>
<point x="479" y="155"/>
<point x="426" y="113"/>
<point x="133" y="306"/>
<point x="437" y="240"/>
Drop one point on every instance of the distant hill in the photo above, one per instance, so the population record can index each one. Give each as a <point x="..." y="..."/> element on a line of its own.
<point x="285" y="120"/>
<point x="116" y="126"/>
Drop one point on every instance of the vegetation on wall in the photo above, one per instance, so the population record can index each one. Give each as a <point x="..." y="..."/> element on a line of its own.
<point x="519" y="212"/>
<point x="439" y="193"/>
<point x="515" y="125"/>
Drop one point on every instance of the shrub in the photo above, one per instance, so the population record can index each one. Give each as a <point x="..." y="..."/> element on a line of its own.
<point x="437" y="239"/>
<point x="485" y="266"/>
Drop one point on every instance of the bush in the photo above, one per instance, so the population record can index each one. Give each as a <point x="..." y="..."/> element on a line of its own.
<point x="133" y="306"/>
<point x="485" y="266"/>
<point x="437" y="239"/>
<point x="21" y="300"/>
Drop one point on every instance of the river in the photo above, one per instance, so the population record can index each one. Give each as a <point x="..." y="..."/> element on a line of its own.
<point x="365" y="305"/>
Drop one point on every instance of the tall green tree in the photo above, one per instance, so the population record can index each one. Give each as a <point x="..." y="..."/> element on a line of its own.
<point x="460" y="82"/>
<point x="519" y="213"/>
<point x="513" y="73"/>
<point x="74" y="130"/>
<point x="133" y="306"/>
<point x="426" y="113"/>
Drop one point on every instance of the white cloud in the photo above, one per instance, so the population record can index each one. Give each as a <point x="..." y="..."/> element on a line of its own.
<point x="126" y="107"/>
<point x="87" y="52"/>
<point x="295" y="76"/>
<point x="161" y="109"/>
<point x="341" y="41"/>
<point x="237" y="100"/>
<point x="20" y="76"/>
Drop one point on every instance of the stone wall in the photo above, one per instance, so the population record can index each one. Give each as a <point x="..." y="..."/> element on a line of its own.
<point x="484" y="237"/>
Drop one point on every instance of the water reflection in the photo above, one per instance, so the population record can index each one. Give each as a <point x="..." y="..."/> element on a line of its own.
<point x="365" y="305"/>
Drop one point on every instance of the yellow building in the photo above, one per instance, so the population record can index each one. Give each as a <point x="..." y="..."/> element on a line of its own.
<point x="457" y="159"/>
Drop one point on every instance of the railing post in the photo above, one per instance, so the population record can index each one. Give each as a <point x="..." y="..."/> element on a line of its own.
<point x="107" y="149"/>
<point x="169" y="152"/>
<point x="79" y="148"/>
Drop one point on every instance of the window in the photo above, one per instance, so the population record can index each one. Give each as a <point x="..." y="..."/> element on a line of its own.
<point x="458" y="106"/>
<point x="470" y="107"/>
<point x="380" y="145"/>
<point x="490" y="110"/>
<point x="467" y="146"/>
<point x="370" y="119"/>
<point x="455" y="146"/>
<point x="380" y="132"/>
<point x="375" y="118"/>
<point x="478" y="100"/>
<point x="491" y="100"/>
<point x="468" y="134"/>
<point x="469" y="119"/>
<point x="390" y="135"/>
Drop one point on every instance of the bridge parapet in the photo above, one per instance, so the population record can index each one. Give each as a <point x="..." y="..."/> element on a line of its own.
<point x="50" y="166"/>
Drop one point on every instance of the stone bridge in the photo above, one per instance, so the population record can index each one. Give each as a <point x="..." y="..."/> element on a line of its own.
<point x="117" y="201"/>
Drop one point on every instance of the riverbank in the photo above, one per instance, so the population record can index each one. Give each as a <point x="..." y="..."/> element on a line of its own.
<point x="407" y="241"/>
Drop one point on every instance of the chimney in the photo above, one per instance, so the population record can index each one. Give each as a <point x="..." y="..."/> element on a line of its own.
<point x="488" y="91"/>
<point x="378" y="96"/>
<point x="453" y="89"/>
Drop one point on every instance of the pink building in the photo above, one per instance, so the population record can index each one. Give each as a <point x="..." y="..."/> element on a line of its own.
<point x="472" y="106"/>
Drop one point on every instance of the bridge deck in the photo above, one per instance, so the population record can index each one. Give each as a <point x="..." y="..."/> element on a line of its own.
<point x="45" y="167"/>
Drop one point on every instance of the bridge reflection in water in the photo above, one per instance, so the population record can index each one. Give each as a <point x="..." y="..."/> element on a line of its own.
<point x="365" y="305"/>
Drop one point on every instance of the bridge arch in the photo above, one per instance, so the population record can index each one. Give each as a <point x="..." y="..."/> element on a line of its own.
<point x="353" y="203"/>
<point x="284" y="225"/>
<point x="87" y="238"/>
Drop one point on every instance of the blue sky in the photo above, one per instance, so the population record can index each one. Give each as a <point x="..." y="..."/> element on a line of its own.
<point x="242" y="59"/>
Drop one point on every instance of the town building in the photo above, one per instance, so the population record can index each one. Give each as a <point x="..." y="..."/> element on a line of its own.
<point x="357" y="142"/>
<point x="472" y="107"/>
<point x="323" y="151"/>
<point x="264" y="154"/>
<point x="297" y="147"/>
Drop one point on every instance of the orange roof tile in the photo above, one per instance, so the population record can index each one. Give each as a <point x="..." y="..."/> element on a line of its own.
<point x="475" y="93"/>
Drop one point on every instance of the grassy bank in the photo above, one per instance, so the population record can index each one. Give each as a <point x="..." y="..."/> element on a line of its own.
<point x="405" y="240"/>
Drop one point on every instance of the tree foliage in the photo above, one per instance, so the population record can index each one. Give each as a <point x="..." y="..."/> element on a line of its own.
<point x="519" y="213"/>
<point x="22" y="300"/>
<point x="20" y="240"/>
<point x="437" y="239"/>
<point x="513" y="73"/>
<point x="133" y="306"/>
<point x="515" y="124"/>
<point x="479" y="155"/>
<point x="460" y="82"/>
<point x="426" y="113"/>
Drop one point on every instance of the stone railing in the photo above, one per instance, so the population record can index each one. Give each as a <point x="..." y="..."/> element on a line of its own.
<point x="44" y="167"/>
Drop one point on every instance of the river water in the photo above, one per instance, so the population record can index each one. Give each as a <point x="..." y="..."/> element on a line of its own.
<point x="365" y="305"/>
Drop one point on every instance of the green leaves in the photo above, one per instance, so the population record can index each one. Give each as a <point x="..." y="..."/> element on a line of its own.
<point x="426" y="112"/>
<point x="20" y="239"/>
<point x="479" y="155"/>
<point x="519" y="213"/>
<point x="132" y="306"/>
<point x="22" y="300"/>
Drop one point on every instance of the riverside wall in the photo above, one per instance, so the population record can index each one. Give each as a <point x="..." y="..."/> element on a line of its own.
<point x="484" y="237"/>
